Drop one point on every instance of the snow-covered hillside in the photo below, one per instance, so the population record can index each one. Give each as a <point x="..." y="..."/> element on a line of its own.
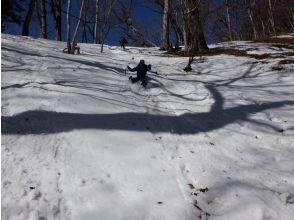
<point x="80" y="142"/>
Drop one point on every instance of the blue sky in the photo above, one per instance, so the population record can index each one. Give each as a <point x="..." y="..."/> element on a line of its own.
<point x="149" y="20"/>
<point x="142" y="16"/>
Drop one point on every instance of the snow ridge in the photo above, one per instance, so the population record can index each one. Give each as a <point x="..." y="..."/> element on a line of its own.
<point x="80" y="142"/>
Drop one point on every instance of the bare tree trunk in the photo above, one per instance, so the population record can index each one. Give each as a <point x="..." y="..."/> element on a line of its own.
<point x="195" y="40"/>
<point x="250" y="14"/>
<point x="42" y="19"/>
<point x="271" y="17"/>
<point x="123" y="15"/>
<point x="177" y="29"/>
<point x="185" y="28"/>
<point x="290" y="13"/>
<point x="202" y="45"/>
<point x="106" y="24"/>
<point x="229" y="20"/>
<point x="165" y="26"/>
<point x="96" y="22"/>
<point x="194" y="32"/>
<point x="28" y="18"/>
<point x="291" y="17"/>
<point x="102" y="47"/>
<point x="84" y="36"/>
<point x="75" y="37"/>
<point x="68" y="26"/>
<point x="56" y="11"/>
<point x="263" y="28"/>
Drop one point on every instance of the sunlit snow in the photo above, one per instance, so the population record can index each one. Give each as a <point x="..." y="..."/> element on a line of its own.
<point x="80" y="142"/>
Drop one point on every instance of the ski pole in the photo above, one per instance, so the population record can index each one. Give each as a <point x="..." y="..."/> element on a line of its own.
<point x="153" y="72"/>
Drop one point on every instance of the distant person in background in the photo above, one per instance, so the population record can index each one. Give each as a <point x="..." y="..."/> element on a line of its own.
<point x="122" y="41"/>
<point x="141" y="69"/>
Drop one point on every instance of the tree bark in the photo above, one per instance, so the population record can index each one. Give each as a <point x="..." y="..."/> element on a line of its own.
<point x="250" y="14"/>
<point x="271" y="17"/>
<point x="177" y="29"/>
<point x="96" y="22"/>
<point x="42" y="19"/>
<point x="185" y="30"/>
<point x="68" y="26"/>
<point x="291" y="18"/>
<point x="263" y="28"/>
<point x="195" y="39"/>
<point x="75" y="37"/>
<point x="165" y="26"/>
<point x="56" y="11"/>
<point x="28" y="18"/>
<point x="229" y="20"/>
<point x="84" y="20"/>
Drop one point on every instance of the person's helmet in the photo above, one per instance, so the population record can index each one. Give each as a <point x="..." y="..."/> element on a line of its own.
<point x="142" y="62"/>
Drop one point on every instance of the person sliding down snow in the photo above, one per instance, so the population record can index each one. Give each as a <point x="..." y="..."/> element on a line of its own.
<point x="141" y="69"/>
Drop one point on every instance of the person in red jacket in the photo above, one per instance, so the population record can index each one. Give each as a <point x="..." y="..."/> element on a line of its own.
<point x="123" y="41"/>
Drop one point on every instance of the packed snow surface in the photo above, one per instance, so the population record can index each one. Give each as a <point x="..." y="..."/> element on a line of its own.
<point x="80" y="142"/>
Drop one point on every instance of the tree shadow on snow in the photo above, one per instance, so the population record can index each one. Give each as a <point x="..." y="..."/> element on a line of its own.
<point x="67" y="58"/>
<point x="46" y="122"/>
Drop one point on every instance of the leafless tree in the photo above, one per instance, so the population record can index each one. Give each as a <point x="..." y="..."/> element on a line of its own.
<point x="105" y="24"/>
<point x="229" y="24"/>
<point x="42" y="18"/>
<point x="84" y="23"/>
<point x="165" y="25"/>
<point x="68" y="26"/>
<point x="123" y="14"/>
<point x="56" y="12"/>
<point x="75" y="37"/>
<point x="194" y="34"/>
<point x="250" y="15"/>
<point x="271" y="16"/>
<point x="176" y="24"/>
<point x="96" y="22"/>
<point x="170" y="20"/>
<point x="28" y="18"/>
<point x="290" y="13"/>
<point x="72" y="46"/>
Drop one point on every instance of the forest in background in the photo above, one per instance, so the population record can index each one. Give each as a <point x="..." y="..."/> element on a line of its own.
<point x="168" y="24"/>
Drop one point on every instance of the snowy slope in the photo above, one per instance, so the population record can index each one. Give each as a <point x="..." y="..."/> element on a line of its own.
<point x="80" y="142"/>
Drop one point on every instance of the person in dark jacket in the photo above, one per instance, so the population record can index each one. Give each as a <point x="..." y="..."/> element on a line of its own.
<point x="141" y="69"/>
<point x="122" y="41"/>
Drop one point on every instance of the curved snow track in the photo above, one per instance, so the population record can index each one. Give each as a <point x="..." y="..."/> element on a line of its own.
<point x="80" y="142"/>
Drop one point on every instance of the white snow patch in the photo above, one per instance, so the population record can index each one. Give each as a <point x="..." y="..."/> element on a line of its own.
<point x="80" y="142"/>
